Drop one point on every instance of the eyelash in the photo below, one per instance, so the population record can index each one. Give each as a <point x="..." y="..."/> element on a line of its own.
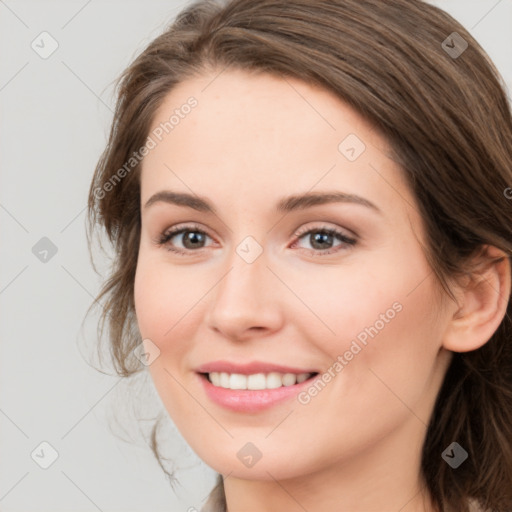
<point x="165" y="237"/>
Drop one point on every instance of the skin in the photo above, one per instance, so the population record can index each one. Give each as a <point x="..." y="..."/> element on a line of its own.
<point x="355" y="447"/>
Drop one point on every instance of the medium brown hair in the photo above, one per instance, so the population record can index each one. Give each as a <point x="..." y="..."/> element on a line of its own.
<point x="448" y="123"/>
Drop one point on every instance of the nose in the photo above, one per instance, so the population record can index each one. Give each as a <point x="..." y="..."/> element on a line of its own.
<point x="244" y="303"/>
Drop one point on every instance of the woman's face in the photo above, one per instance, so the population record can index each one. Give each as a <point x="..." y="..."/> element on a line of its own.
<point x="261" y="296"/>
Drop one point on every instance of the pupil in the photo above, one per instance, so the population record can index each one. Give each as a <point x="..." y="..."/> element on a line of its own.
<point x="192" y="237"/>
<point x="321" y="236"/>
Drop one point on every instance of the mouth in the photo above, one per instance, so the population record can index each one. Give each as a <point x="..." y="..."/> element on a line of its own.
<point x="256" y="381"/>
<point x="252" y="387"/>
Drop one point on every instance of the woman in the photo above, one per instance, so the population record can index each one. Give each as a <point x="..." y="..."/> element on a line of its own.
<point x="309" y="210"/>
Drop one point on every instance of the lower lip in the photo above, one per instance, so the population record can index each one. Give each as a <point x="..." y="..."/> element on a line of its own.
<point x="245" y="400"/>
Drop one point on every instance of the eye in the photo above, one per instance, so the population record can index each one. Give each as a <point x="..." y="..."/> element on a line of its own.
<point x="193" y="240"/>
<point x="322" y="238"/>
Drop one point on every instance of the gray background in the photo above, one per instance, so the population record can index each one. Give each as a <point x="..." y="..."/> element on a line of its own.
<point x="53" y="125"/>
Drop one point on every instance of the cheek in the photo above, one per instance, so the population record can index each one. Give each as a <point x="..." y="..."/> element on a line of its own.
<point x="164" y="306"/>
<point x="149" y="298"/>
<point x="353" y="303"/>
<point x="382" y="359"/>
<point x="390" y="355"/>
<point x="164" y="298"/>
<point x="379" y="326"/>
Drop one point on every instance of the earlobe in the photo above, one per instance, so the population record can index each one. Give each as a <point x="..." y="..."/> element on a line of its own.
<point x="483" y="303"/>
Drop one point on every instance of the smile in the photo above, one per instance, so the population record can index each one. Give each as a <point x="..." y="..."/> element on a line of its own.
<point x="256" y="381"/>
<point x="252" y="387"/>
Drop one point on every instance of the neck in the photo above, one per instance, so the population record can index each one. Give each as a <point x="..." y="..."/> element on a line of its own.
<point x="294" y="496"/>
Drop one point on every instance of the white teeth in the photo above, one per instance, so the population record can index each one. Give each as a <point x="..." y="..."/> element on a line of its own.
<point x="274" y="380"/>
<point x="289" y="379"/>
<point x="237" y="381"/>
<point x="224" y="380"/>
<point x="215" y="378"/>
<point x="256" y="381"/>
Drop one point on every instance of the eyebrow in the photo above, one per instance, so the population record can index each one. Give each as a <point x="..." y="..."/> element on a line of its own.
<point x="285" y="205"/>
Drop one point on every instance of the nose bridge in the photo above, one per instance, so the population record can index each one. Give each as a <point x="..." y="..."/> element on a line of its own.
<point x="247" y="259"/>
<point x="245" y="279"/>
<point x="242" y="299"/>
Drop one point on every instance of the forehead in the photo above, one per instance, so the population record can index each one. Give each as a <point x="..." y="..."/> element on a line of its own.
<point x="235" y="106"/>
<point x="265" y="135"/>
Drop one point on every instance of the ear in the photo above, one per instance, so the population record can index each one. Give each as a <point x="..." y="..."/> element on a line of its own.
<point x="482" y="302"/>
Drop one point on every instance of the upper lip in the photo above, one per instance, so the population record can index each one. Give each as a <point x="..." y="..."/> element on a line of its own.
<point x="249" y="368"/>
